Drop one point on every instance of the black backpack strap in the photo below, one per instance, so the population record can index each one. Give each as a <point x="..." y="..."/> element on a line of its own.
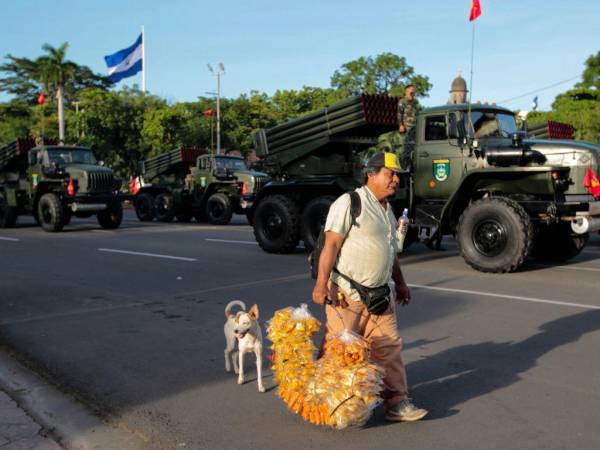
<point x="355" y="207"/>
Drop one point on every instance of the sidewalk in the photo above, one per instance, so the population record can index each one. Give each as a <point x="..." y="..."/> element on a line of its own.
<point x="39" y="407"/>
<point x="18" y="431"/>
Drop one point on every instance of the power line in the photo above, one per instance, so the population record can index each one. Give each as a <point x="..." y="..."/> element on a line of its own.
<point x="540" y="89"/>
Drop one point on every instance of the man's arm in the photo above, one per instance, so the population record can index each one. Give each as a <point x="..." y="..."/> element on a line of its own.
<point x="329" y="254"/>
<point x="401" y="126"/>
<point x="402" y="290"/>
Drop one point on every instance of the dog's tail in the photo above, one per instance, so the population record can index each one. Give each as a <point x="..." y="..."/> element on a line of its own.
<point x="231" y="304"/>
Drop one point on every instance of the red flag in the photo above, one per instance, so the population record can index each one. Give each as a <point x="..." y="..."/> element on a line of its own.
<point x="41" y="99"/>
<point x="208" y="112"/>
<point x="475" y="10"/>
<point x="591" y="183"/>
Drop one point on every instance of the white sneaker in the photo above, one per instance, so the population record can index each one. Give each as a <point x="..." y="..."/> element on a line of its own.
<point x="405" y="411"/>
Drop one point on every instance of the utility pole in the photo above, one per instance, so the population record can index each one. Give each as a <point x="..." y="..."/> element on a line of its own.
<point x="218" y="74"/>
<point x="77" y="119"/>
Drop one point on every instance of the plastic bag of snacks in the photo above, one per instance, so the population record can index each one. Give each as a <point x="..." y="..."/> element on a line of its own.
<point x="348" y="381"/>
<point x="294" y="363"/>
<point x="339" y="390"/>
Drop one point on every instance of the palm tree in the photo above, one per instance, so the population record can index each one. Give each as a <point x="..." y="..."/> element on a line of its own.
<point x="54" y="72"/>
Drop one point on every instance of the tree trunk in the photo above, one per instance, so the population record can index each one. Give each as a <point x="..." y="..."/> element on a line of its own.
<point x="61" y="115"/>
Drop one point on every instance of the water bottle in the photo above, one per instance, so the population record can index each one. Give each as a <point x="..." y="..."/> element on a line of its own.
<point x="403" y="222"/>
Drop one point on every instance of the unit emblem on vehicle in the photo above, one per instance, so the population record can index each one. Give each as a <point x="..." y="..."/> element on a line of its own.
<point x="441" y="169"/>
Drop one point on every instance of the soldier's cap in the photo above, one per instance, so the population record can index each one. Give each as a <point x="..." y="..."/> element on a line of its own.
<point x="384" y="159"/>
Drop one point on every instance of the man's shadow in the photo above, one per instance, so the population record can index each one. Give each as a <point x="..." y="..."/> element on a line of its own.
<point x="454" y="376"/>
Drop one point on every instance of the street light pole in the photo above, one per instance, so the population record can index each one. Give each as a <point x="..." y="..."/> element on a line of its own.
<point x="218" y="74"/>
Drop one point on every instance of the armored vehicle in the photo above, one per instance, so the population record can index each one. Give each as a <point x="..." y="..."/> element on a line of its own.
<point x="469" y="172"/>
<point x="54" y="183"/>
<point x="186" y="183"/>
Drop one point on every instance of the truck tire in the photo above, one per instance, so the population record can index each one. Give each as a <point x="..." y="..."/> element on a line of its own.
<point x="8" y="215"/>
<point x="51" y="212"/>
<point x="218" y="209"/>
<point x="495" y="235"/>
<point x="111" y="217"/>
<point x="276" y="224"/>
<point x="313" y="218"/>
<point x="144" y="207"/>
<point x="164" y="209"/>
<point x="557" y="242"/>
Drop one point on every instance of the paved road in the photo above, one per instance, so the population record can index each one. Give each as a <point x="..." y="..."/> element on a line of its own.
<point x="501" y="361"/>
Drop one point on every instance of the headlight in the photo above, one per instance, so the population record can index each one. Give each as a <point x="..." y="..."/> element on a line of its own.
<point x="570" y="159"/>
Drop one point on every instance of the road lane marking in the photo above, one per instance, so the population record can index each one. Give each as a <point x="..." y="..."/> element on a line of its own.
<point x="250" y="283"/>
<point x="9" y="239"/>
<point x="231" y="241"/>
<point x="510" y="297"/>
<point x="588" y="269"/>
<point x="153" y="255"/>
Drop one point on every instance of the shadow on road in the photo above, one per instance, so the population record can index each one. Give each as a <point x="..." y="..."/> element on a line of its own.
<point x="459" y="374"/>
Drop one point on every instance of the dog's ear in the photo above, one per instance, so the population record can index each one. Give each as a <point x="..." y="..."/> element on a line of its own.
<point x="253" y="313"/>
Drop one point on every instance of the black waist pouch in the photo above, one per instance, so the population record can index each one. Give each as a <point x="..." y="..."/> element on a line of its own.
<point x="377" y="299"/>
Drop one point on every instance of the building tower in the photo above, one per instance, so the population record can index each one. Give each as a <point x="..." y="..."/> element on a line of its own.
<point x="458" y="90"/>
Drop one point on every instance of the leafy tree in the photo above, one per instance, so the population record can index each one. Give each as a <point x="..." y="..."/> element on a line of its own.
<point x="16" y="119"/>
<point x="113" y="123"/>
<point x="51" y="73"/>
<point x="291" y="103"/>
<point x="591" y="74"/>
<point x="385" y="73"/>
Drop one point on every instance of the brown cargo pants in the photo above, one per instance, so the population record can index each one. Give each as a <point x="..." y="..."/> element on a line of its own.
<point x="381" y="332"/>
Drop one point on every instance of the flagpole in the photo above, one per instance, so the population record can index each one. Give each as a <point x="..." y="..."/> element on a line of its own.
<point x="143" y="61"/>
<point x="471" y="77"/>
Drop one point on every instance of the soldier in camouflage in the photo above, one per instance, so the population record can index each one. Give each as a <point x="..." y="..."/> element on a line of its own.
<point x="407" y="110"/>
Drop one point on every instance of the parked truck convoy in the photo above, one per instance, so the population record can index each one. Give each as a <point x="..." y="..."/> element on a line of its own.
<point x="54" y="183"/>
<point x="469" y="172"/>
<point x="188" y="182"/>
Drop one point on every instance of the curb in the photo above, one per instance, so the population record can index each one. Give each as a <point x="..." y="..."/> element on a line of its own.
<point x="69" y="422"/>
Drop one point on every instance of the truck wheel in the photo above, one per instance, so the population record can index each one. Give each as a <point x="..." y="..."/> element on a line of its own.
<point x="218" y="209"/>
<point x="111" y="217"/>
<point x="144" y="207"/>
<point x="495" y="235"/>
<point x="313" y="218"/>
<point x="276" y="224"/>
<point x="557" y="242"/>
<point x="164" y="208"/>
<point x="51" y="213"/>
<point x="8" y="216"/>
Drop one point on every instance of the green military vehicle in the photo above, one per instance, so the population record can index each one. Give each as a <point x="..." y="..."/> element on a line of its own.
<point x="185" y="183"/>
<point x="476" y="176"/>
<point x="54" y="183"/>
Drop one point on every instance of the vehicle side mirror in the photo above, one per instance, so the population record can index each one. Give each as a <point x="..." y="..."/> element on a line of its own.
<point x="451" y="126"/>
<point x="462" y="131"/>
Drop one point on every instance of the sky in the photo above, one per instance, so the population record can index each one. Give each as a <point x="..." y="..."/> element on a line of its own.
<point x="266" y="45"/>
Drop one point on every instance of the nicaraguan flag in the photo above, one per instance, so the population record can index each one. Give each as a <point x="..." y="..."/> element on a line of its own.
<point x="534" y="103"/>
<point x="126" y="62"/>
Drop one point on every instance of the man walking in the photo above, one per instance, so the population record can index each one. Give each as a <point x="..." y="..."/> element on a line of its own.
<point x="365" y="252"/>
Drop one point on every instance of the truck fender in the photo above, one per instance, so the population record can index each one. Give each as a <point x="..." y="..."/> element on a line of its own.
<point x="461" y="198"/>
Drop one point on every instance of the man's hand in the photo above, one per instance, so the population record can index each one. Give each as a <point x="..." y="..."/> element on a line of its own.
<point x="320" y="294"/>
<point x="402" y="294"/>
<point x="402" y="128"/>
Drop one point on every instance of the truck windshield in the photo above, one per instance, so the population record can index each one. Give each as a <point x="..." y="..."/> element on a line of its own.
<point x="493" y="124"/>
<point x="71" y="156"/>
<point x="231" y="163"/>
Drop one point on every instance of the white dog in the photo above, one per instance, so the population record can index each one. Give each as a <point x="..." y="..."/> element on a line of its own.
<point x="244" y="327"/>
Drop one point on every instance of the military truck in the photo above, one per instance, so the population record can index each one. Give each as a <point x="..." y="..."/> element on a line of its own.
<point x="469" y="172"/>
<point x="54" y="183"/>
<point x="185" y="183"/>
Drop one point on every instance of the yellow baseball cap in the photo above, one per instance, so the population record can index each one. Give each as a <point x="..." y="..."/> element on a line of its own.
<point x="384" y="159"/>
